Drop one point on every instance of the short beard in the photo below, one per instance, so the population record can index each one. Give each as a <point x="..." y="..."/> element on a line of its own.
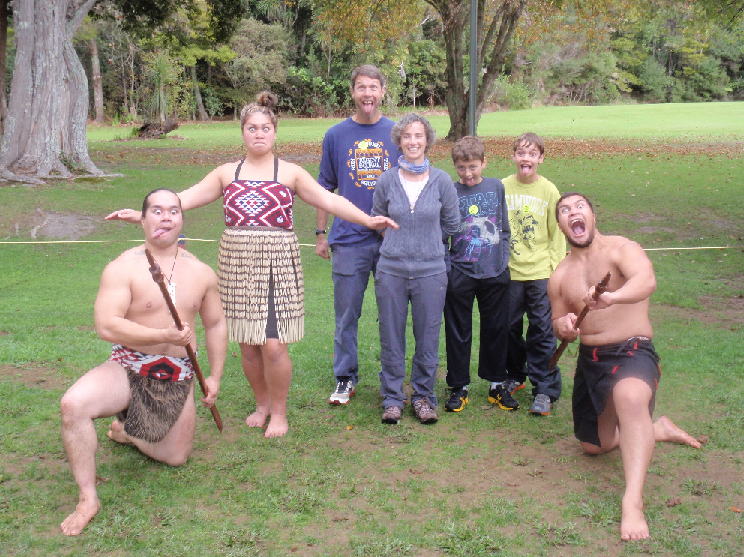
<point x="586" y="244"/>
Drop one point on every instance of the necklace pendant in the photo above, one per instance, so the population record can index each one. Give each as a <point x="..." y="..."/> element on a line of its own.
<point x="172" y="292"/>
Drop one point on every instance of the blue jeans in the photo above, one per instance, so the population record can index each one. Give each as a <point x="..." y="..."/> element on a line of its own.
<point x="351" y="266"/>
<point x="426" y="296"/>
<point x="530" y="356"/>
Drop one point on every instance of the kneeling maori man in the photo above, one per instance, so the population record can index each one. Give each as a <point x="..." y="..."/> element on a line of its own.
<point x="617" y="372"/>
<point x="148" y="377"/>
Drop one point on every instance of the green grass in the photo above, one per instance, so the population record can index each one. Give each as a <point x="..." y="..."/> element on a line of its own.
<point x="481" y="482"/>
<point x="689" y="122"/>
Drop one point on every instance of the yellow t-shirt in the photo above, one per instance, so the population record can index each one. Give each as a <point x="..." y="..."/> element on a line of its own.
<point x="537" y="244"/>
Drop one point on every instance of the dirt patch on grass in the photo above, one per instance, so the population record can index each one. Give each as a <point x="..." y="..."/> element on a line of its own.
<point x="34" y="377"/>
<point x="721" y="312"/>
<point x="310" y="152"/>
<point x="41" y="225"/>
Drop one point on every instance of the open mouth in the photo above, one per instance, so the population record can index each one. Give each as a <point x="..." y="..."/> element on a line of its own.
<point x="578" y="227"/>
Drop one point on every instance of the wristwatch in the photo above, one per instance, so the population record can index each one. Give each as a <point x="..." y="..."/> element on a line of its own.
<point x="318" y="231"/>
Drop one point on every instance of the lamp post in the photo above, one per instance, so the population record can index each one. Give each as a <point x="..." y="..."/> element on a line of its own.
<point x="473" y="63"/>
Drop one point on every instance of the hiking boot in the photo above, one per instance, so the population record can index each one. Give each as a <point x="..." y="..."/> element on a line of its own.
<point x="391" y="415"/>
<point x="424" y="412"/>
<point x="541" y="406"/>
<point x="457" y="400"/>
<point x="345" y="389"/>
<point x="503" y="398"/>
<point x="511" y="386"/>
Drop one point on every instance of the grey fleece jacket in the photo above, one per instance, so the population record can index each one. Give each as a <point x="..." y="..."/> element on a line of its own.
<point x="416" y="249"/>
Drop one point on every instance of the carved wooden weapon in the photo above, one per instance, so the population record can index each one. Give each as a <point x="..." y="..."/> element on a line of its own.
<point x="158" y="277"/>
<point x="598" y="291"/>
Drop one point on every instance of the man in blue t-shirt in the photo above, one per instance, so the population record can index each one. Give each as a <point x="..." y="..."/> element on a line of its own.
<point x="355" y="153"/>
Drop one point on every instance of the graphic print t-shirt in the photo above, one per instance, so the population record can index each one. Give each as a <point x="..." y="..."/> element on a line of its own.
<point x="480" y="248"/>
<point x="537" y="244"/>
<point x="354" y="156"/>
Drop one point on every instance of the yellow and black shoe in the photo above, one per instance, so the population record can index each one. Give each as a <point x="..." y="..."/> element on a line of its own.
<point x="499" y="395"/>
<point x="457" y="400"/>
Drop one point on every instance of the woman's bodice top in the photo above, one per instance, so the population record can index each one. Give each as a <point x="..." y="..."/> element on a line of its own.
<point x="262" y="203"/>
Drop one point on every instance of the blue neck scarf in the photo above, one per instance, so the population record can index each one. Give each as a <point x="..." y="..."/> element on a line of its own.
<point x="414" y="168"/>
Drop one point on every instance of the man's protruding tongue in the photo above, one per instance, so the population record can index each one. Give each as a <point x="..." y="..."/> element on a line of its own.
<point x="158" y="233"/>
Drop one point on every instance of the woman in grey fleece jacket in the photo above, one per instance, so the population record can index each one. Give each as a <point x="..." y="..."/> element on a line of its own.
<point x="423" y="201"/>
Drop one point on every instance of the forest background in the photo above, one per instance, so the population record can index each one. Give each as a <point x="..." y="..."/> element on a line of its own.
<point x="569" y="52"/>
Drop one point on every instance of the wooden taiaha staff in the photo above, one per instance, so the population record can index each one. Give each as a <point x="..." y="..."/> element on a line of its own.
<point x="158" y="277"/>
<point x="598" y="291"/>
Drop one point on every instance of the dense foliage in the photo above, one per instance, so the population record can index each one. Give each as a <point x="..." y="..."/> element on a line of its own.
<point x="563" y="53"/>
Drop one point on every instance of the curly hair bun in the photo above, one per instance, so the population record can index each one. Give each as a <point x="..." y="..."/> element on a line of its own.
<point x="267" y="99"/>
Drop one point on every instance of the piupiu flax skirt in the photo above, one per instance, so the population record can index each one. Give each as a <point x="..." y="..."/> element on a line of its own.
<point x="249" y="257"/>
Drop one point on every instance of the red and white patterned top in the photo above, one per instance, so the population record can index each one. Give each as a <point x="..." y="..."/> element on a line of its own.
<point x="261" y="203"/>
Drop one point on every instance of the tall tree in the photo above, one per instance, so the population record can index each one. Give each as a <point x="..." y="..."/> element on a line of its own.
<point x="48" y="105"/>
<point x="4" y="13"/>
<point x="45" y="132"/>
<point x="496" y="24"/>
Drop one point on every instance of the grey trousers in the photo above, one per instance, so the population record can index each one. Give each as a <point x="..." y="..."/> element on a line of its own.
<point x="352" y="266"/>
<point x="426" y="296"/>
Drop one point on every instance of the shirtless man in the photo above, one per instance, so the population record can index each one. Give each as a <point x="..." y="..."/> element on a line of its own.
<point x="617" y="372"/>
<point x="148" y="349"/>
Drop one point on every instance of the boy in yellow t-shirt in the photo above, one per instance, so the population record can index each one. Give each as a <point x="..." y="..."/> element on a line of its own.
<point x="537" y="246"/>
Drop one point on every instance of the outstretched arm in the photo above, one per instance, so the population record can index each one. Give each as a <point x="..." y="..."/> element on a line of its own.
<point x="203" y="193"/>
<point x="313" y="193"/>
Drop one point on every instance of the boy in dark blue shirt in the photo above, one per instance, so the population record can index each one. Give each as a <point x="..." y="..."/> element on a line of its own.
<point x="479" y="256"/>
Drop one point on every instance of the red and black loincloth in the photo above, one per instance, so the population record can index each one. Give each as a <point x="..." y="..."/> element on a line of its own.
<point x="159" y="387"/>
<point x="599" y="369"/>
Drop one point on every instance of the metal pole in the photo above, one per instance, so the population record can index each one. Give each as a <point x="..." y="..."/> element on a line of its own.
<point x="473" y="62"/>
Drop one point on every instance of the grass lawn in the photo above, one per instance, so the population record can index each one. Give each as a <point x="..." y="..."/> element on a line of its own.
<point x="480" y="482"/>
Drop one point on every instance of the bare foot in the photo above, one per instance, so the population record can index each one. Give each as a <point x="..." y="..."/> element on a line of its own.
<point x="665" y="430"/>
<point x="258" y="418"/>
<point x="117" y="433"/>
<point x="633" y="524"/>
<point x="278" y="426"/>
<point x="84" y="512"/>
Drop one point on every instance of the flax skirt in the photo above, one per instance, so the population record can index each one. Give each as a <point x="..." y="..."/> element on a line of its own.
<point x="250" y="259"/>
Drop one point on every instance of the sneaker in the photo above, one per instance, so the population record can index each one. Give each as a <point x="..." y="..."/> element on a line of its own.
<point x="345" y="389"/>
<point x="424" y="412"/>
<point x="457" y="400"/>
<point x="503" y="398"/>
<point x="391" y="415"/>
<point x="541" y="406"/>
<point x="511" y="386"/>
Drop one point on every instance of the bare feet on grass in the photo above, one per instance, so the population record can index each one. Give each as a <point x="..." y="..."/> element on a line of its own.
<point x="258" y="418"/>
<point x="665" y="430"/>
<point x="278" y="426"/>
<point x="86" y="509"/>
<point x="633" y="525"/>
<point x="117" y="433"/>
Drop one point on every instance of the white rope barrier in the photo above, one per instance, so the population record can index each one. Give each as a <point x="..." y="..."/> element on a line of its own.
<point x="303" y="245"/>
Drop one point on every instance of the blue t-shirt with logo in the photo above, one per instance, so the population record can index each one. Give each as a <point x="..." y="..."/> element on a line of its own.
<point x="354" y="156"/>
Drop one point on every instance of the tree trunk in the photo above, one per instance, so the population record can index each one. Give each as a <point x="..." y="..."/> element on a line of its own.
<point x="203" y="116"/>
<point x="3" y="60"/>
<point x="453" y="16"/>
<point x="495" y="43"/>
<point x="95" y="63"/>
<point x="48" y="109"/>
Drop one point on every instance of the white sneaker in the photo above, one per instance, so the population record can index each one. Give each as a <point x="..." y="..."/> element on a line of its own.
<point x="345" y="389"/>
